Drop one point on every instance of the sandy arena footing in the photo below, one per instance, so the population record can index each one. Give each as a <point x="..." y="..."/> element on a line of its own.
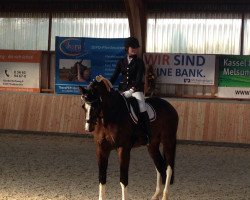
<point x="38" y="167"/>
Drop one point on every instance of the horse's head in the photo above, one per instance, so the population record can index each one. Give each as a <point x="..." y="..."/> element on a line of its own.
<point x="92" y="99"/>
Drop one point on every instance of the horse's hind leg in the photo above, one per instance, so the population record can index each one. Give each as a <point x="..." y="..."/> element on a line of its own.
<point x="160" y="165"/>
<point x="169" y="152"/>
<point x="159" y="187"/>
<point x="167" y="184"/>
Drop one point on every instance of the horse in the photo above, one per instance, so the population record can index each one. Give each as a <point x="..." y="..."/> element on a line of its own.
<point x="108" y="117"/>
<point x="76" y="72"/>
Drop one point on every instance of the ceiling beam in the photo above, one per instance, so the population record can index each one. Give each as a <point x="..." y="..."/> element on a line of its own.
<point x="137" y="17"/>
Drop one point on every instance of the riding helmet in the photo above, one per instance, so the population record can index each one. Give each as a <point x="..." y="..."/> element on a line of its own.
<point x="131" y="42"/>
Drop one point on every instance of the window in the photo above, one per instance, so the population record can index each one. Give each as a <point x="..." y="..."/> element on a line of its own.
<point x="29" y="31"/>
<point x="24" y="31"/>
<point x="194" y="33"/>
<point x="98" y="25"/>
<point x="247" y="35"/>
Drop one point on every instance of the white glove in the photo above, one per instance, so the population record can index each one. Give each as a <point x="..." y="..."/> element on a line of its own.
<point x="128" y="93"/>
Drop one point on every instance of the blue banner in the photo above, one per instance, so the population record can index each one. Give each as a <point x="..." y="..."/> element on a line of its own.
<point x="80" y="60"/>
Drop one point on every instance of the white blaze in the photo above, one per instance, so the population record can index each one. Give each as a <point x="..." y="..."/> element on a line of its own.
<point x="87" y="117"/>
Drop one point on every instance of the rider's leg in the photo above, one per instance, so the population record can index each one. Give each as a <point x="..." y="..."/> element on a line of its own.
<point x="146" y="124"/>
<point x="144" y="118"/>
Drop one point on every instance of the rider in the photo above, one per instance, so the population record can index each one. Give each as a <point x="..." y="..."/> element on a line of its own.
<point x="132" y="69"/>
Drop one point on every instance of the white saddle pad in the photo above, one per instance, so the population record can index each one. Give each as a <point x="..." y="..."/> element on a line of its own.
<point x="150" y="110"/>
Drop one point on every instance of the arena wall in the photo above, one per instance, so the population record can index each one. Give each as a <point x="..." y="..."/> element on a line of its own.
<point x="200" y="120"/>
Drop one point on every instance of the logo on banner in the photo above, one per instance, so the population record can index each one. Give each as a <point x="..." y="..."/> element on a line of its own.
<point x="6" y="73"/>
<point x="71" y="47"/>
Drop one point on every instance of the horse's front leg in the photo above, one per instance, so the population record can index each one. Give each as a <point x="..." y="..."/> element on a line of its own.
<point x="102" y="158"/>
<point x="124" y="159"/>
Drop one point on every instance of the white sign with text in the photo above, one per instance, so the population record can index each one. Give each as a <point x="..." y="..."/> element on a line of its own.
<point x="182" y="68"/>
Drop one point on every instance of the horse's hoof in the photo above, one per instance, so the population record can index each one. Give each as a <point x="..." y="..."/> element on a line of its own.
<point x="155" y="198"/>
<point x="165" y="197"/>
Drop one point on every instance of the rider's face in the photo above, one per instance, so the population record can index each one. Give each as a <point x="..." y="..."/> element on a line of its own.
<point x="132" y="51"/>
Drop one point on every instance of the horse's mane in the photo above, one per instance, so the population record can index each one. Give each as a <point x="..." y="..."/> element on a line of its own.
<point x="115" y="107"/>
<point x="106" y="82"/>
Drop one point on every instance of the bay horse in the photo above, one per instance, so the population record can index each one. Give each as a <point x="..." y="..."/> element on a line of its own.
<point x="107" y="116"/>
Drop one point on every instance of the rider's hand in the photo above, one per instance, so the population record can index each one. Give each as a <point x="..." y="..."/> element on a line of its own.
<point x="128" y="93"/>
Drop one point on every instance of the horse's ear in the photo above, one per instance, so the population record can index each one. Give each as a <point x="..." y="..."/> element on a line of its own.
<point x="99" y="78"/>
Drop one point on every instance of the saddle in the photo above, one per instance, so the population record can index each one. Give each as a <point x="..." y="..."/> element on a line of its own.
<point x="133" y="108"/>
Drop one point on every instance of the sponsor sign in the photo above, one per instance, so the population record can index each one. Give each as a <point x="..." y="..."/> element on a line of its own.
<point x="182" y="68"/>
<point x="20" y="70"/>
<point x="234" y="76"/>
<point x="80" y="60"/>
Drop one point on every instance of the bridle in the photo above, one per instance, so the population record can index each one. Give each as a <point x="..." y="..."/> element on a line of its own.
<point x="92" y="100"/>
<point x="94" y="106"/>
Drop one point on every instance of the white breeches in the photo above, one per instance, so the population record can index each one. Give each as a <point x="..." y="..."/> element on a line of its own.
<point x="141" y="100"/>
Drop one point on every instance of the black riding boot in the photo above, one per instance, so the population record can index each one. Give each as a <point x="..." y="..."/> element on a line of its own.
<point x="145" y="122"/>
